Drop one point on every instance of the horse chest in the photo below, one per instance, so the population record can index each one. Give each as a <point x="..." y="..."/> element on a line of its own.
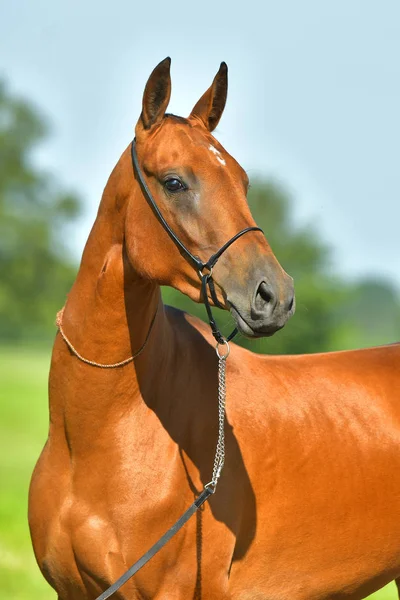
<point x="114" y="509"/>
<point x="105" y="545"/>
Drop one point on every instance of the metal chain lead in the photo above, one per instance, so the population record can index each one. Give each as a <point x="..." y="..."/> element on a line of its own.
<point x="219" y="459"/>
<point x="209" y="488"/>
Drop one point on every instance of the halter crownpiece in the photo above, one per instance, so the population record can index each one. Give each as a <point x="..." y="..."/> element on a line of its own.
<point x="198" y="264"/>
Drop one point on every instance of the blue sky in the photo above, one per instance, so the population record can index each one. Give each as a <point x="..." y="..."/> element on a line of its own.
<point x="314" y="98"/>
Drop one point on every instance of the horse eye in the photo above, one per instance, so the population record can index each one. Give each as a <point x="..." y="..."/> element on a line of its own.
<point x="173" y="185"/>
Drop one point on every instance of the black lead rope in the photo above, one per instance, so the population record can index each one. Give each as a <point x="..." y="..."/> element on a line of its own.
<point x="206" y="281"/>
<point x="205" y="494"/>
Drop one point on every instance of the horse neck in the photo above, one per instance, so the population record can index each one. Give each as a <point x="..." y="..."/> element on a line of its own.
<point x="110" y="308"/>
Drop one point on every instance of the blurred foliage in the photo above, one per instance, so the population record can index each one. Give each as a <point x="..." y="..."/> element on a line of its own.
<point x="369" y="316"/>
<point x="35" y="266"/>
<point x="37" y="269"/>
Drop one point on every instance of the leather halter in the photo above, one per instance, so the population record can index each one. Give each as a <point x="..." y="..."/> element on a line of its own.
<point x="198" y="264"/>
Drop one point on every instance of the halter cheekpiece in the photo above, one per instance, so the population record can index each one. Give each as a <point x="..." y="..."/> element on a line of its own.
<point x="198" y="264"/>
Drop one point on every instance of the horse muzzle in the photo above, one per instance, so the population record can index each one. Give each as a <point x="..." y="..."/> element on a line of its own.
<point x="270" y="305"/>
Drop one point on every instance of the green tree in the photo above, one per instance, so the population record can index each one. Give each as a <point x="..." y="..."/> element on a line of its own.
<point x="370" y="314"/>
<point x="35" y="266"/>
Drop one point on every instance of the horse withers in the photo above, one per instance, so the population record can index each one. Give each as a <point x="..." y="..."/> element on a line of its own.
<point x="307" y="505"/>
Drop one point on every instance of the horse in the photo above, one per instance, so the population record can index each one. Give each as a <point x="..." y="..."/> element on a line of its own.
<point x="308" y="503"/>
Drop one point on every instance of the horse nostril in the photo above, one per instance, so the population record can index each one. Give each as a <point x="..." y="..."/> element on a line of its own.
<point x="265" y="297"/>
<point x="264" y="292"/>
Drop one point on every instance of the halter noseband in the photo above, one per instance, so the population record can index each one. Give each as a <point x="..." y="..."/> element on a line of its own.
<point x="198" y="264"/>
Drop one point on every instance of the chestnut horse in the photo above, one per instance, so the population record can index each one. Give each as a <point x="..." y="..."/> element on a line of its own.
<point x="308" y="505"/>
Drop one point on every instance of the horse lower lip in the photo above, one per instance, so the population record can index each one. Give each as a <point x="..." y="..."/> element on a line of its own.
<point x="242" y="324"/>
<point x="247" y="329"/>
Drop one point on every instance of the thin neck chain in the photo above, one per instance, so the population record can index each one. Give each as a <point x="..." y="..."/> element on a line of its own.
<point x="102" y="365"/>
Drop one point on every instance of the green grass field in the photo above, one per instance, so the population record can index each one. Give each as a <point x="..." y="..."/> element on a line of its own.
<point x="23" y="430"/>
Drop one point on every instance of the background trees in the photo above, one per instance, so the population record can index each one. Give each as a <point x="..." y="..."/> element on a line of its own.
<point x="37" y="268"/>
<point x="35" y="265"/>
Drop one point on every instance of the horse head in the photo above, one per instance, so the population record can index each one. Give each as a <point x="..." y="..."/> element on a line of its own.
<point x="200" y="191"/>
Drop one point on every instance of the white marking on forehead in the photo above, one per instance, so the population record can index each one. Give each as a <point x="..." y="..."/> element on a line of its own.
<point x="217" y="154"/>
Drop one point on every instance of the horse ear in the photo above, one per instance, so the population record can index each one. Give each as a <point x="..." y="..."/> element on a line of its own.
<point x="211" y="105"/>
<point x="156" y="94"/>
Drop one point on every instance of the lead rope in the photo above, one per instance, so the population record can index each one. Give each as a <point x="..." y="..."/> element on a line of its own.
<point x="209" y="488"/>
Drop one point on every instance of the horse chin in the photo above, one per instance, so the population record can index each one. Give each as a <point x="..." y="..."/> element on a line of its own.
<point x="248" y="330"/>
<point x="243" y="327"/>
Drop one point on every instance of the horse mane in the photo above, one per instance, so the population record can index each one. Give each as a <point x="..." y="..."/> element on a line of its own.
<point x="178" y="119"/>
